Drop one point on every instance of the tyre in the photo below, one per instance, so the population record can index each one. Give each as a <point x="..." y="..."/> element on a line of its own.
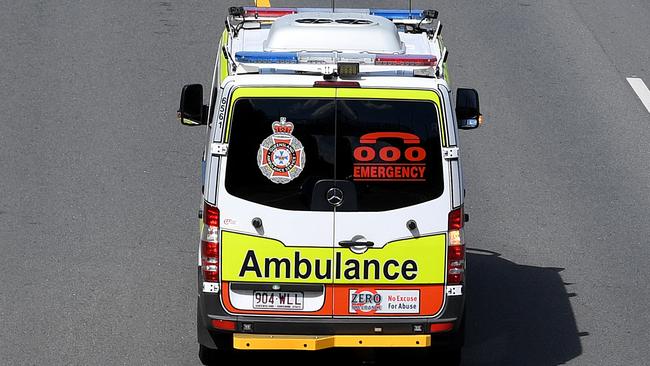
<point x="210" y="356"/>
<point x="451" y="357"/>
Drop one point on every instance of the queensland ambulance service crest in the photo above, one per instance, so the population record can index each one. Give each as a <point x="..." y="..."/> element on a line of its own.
<point x="281" y="156"/>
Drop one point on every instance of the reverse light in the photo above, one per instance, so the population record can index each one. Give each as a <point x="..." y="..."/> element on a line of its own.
<point x="456" y="248"/>
<point x="210" y="244"/>
<point x="406" y="60"/>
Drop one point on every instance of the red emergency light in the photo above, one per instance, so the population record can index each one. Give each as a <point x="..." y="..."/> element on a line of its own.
<point x="268" y="12"/>
<point x="406" y="60"/>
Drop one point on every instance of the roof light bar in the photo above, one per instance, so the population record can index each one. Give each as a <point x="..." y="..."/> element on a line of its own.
<point x="392" y="14"/>
<point x="248" y="57"/>
<point x="251" y="11"/>
<point x="406" y="60"/>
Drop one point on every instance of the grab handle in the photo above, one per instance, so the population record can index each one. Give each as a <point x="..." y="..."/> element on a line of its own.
<point x="350" y="243"/>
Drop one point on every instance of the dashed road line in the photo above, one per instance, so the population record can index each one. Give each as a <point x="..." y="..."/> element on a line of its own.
<point x="641" y="91"/>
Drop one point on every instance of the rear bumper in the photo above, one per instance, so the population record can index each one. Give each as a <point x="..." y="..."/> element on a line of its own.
<point x="210" y="310"/>
<point x="315" y="343"/>
<point x="447" y="328"/>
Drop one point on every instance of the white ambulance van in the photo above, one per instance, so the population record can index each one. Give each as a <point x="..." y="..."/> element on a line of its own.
<point x="332" y="188"/>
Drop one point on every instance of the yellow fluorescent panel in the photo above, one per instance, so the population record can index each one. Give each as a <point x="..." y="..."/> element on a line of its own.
<point x="247" y="258"/>
<point x="314" y="343"/>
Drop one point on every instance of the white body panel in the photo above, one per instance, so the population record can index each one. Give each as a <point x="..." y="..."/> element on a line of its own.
<point x="386" y="226"/>
<point x="292" y="228"/>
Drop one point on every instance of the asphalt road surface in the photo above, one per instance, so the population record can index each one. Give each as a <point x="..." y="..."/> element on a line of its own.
<point x="99" y="185"/>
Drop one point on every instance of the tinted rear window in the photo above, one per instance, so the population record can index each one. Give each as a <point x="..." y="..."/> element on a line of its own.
<point x="391" y="151"/>
<point x="387" y="152"/>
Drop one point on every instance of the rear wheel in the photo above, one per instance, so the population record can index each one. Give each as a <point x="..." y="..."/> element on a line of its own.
<point x="451" y="354"/>
<point x="208" y="356"/>
<point x="452" y="357"/>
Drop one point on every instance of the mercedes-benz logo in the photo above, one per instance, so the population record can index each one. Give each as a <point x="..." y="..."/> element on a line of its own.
<point x="335" y="196"/>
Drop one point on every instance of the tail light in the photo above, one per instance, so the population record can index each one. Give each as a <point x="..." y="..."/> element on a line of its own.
<point x="456" y="249"/>
<point x="210" y="244"/>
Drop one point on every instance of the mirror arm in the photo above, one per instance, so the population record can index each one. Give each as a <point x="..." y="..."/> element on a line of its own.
<point x="205" y="111"/>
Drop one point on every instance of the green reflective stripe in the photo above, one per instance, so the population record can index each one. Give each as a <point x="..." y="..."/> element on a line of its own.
<point x="223" y="63"/>
<point x="275" y="93"/>
<point x="403" y="94"/>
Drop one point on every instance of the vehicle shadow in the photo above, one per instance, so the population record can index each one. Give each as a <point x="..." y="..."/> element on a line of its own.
<point x="517" y="315"/>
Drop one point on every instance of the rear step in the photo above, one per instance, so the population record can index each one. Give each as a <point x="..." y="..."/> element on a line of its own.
<point x="315" y="343"/>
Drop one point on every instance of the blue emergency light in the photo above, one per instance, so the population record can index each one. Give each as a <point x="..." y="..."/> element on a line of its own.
<point x="266" y="57"/>
<point x="398" y="14"/>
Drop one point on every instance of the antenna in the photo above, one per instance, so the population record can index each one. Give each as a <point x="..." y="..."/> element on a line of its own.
<point x="410" y="6"/>
<point x="333" y="5"/>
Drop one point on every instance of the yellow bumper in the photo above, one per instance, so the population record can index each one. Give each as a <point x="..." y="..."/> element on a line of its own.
<point x="314" y="343"/>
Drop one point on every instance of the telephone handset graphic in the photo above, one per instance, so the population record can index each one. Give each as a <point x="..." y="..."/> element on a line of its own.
<point x="371" y="138"/>
<point x="412" y="154"/>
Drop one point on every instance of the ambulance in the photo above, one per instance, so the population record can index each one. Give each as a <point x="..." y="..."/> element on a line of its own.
<point x="332" y="211"/>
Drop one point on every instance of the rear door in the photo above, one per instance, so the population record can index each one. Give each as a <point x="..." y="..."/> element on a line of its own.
<point x="391" y="216"/>
<point x="276" y="231"/>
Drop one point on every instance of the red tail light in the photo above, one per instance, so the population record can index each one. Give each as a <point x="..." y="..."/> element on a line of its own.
<point x="210" y="244"/>
<point x="456" y="248"/>
<point x="210" y="261"/>
<point x="210" y="215"/>
<point x="456" y="219"/>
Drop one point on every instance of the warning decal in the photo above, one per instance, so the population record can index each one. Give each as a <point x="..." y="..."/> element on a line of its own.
<point x="375" y="301"/>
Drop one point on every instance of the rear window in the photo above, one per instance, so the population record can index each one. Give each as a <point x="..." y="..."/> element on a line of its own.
<point x="385" y="154"/>
<point x="391" y="150"/>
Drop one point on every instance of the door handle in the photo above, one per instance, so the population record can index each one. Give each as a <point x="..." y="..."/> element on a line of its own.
<point x="350" y="243"/>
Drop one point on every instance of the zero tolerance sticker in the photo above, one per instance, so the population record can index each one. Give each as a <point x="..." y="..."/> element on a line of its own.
<point x="281" y="156"/>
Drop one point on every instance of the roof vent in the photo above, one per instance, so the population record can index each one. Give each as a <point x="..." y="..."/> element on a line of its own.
<point x="313" y="21"/>
<point x="354" y="21"/>
<point x="341" y="32"/>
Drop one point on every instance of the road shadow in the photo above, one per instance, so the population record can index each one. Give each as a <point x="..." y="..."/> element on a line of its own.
<point x="517" y="315"/>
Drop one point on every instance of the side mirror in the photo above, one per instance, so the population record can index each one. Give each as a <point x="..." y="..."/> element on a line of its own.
<point x="468" y="112"/>
<point x="192" y="112"/>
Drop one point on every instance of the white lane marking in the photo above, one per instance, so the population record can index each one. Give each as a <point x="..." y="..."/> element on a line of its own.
<point x="641" y="90"/>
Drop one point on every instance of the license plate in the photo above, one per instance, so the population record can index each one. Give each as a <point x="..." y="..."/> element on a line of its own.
<point x="278" y="300"/>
